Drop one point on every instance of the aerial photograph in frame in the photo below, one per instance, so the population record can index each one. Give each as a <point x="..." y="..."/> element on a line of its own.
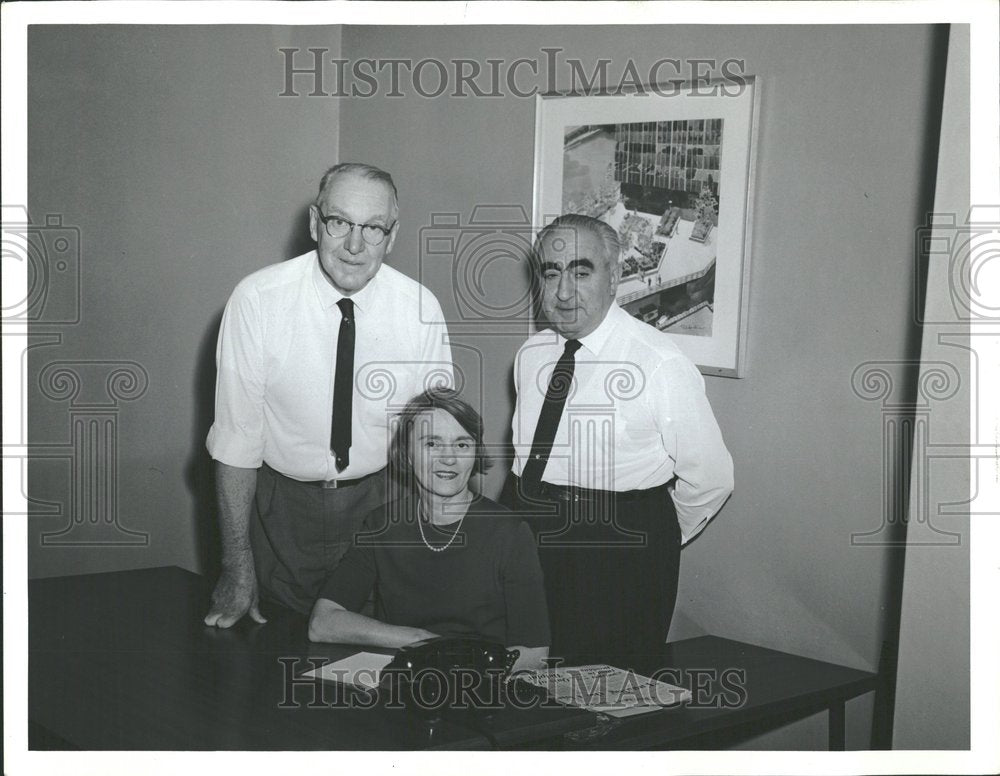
<point x="657" y="184"/>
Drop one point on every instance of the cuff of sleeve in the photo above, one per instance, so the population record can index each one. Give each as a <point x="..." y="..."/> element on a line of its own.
<point x="694" y="517"/>
<point x="691" y="527"/>
<point x="234" y="450"/>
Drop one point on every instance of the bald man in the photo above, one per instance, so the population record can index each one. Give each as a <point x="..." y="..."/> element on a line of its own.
<point x="619" y="460"/>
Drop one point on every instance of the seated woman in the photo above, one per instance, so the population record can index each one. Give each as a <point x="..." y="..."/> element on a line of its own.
<point x="441" y="560"/>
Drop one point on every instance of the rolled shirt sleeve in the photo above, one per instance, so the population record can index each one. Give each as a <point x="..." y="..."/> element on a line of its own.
<point x="702" y="464"/>
<point x="237" y="435"/>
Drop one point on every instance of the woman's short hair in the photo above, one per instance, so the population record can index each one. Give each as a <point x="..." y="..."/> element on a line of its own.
<point x="446" y="399"/>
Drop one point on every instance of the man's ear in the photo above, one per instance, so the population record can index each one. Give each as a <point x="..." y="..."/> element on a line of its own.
<point x="392" y="236"/>
<point x="314" y="223"/>
<point x="616" y="276"/>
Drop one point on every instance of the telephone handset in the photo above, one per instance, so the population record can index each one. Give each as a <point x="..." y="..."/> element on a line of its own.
<point x="445" y="653"/>
<point x="444" y="670"/>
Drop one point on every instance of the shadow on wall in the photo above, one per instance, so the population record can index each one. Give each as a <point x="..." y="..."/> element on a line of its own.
<point x="505" y="450"/>
<point x="199" y="472"/>
<point x="299" y="240"/>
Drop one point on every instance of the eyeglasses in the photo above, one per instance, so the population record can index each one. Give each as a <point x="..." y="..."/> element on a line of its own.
<point x="373" y="234"/>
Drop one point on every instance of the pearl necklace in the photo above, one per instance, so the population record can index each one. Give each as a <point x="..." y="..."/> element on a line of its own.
<point x="431" y="547"/>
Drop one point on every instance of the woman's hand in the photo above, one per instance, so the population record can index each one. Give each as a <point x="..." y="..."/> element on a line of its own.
<point x="419" y="634"/>
<point x="331" y="622"/>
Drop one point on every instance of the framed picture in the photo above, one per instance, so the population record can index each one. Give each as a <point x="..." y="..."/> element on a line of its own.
<point x="671" y="169"/>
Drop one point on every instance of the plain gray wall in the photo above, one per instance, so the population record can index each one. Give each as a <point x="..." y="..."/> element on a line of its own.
<point x="171" y="151"/>
<point x="844" y="174"/>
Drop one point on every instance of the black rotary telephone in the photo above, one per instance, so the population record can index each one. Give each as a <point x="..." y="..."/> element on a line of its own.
<point x="448" y="671"/>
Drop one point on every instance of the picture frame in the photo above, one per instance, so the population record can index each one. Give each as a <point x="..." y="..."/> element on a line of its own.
<point x="671" y="168"/>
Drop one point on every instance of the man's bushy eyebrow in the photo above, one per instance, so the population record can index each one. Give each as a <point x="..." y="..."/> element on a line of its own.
<point x="586" y="263"/>
<point x="342" y="214"/>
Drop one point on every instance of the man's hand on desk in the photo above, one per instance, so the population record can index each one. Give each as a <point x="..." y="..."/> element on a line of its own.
<point x="235" y="594"/>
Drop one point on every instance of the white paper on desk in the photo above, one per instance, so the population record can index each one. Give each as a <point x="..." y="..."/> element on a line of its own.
<point x="606" y="689"/>
<point x="361" y="670"/>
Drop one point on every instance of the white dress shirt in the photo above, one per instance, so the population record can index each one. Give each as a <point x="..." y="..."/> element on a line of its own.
<point x="636" y="417"/>
<point x="276" y="359"/>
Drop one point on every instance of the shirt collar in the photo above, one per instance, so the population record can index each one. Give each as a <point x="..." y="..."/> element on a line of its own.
<point x="329" y="296"/>
<point x="596" y="340"/>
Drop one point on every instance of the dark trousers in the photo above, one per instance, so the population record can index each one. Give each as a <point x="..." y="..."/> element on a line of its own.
<point x="611" y="564"/>
<point x="300" y="531"/>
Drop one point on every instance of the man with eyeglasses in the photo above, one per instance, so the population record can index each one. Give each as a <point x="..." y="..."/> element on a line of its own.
<point x="312" y="353"/>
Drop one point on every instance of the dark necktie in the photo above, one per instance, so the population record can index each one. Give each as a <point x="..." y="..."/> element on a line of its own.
<point x="343" y="387"/>
<point x="548" y="418"/>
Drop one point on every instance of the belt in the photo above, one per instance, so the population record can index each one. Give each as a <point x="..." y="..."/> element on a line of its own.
<point x="328" y="484"/>
<point x="570" y="494"/>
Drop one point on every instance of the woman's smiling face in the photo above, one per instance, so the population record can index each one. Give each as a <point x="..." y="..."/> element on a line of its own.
<point x="442" y="453"/>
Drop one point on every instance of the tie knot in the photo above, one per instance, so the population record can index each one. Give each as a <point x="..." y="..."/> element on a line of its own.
<point x="346" y="308"/>
<point x="571" y="347"/>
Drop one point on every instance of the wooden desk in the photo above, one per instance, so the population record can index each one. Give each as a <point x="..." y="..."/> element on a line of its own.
<point x="123" y="661"/>
<point x="739" y="690"/>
